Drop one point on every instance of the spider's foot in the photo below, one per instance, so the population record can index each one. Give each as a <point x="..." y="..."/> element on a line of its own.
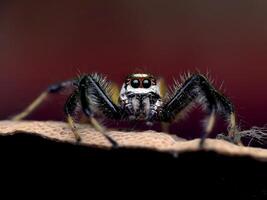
<point x="202" y="142"/>
<point x="73" y="128"/>
<point x="75" y="133"/>
<point x="235" y="139"/>
<point x="102" y="130"/>
<point x="114" y="144"/>
<point x="222" y="136"/>
<point x="77" y="136"/>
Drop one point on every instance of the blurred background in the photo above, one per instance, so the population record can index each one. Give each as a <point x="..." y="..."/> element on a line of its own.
<point x="42" y="42"/>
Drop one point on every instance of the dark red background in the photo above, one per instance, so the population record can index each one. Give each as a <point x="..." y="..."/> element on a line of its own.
<point x="42" y="42"/>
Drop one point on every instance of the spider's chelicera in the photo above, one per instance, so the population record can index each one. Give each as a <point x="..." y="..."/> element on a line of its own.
<point x="141" y="97"/>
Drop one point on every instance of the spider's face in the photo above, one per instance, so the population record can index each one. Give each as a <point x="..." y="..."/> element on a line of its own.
<point x="140" y="84"/>
<point x="138" y="94"/>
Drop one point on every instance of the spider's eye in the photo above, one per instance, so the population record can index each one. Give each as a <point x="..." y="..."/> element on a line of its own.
<point x="135" y="83"/>
<point x="146" y="83"/>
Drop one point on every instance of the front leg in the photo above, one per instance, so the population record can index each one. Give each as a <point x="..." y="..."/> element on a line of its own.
<point x="52" y="89"/>
<point x="198" y="89"/>
<point x="95" y="94"/>
<point x="69" y="109"/>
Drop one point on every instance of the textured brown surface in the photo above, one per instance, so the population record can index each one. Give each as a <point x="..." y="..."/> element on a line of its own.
<point x="148" y="139"/>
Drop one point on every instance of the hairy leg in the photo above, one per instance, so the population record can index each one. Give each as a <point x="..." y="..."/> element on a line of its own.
<point x="69" y="109"/>
<point x="93" y="91"/>
<point x="198" y="89"/>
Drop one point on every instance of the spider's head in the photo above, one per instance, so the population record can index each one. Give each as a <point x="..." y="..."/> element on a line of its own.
<point x="140" y="84"/>
<point x="138" y="93"/>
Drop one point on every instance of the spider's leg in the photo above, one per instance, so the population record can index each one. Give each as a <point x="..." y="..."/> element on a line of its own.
<point x="198" y="88"/>
<point x="53" y="89"/>
<point x="69" y="109"/>
<point x="226" y="108"/>
<point x="210" y="121"/>
<point x="94" y="92"/>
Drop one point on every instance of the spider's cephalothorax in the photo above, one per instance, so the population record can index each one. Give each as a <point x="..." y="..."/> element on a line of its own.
<point x="140" y="98"/>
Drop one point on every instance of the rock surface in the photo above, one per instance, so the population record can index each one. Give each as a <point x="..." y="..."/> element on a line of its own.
<point x="156" y="141"/>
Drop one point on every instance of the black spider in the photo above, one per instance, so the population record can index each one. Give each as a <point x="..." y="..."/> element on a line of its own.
<point x="141" y="98"/>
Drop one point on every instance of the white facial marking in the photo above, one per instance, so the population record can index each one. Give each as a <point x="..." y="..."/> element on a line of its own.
<point x="152" y="88"/>
<point x="140" y="75"/>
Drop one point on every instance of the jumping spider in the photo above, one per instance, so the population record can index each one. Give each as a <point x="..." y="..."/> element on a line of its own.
<point x="141" y="99"/>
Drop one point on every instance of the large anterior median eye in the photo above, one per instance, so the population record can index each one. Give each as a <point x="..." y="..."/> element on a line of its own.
<point x="135" y="83"/>
<point x="146" y="83"/>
